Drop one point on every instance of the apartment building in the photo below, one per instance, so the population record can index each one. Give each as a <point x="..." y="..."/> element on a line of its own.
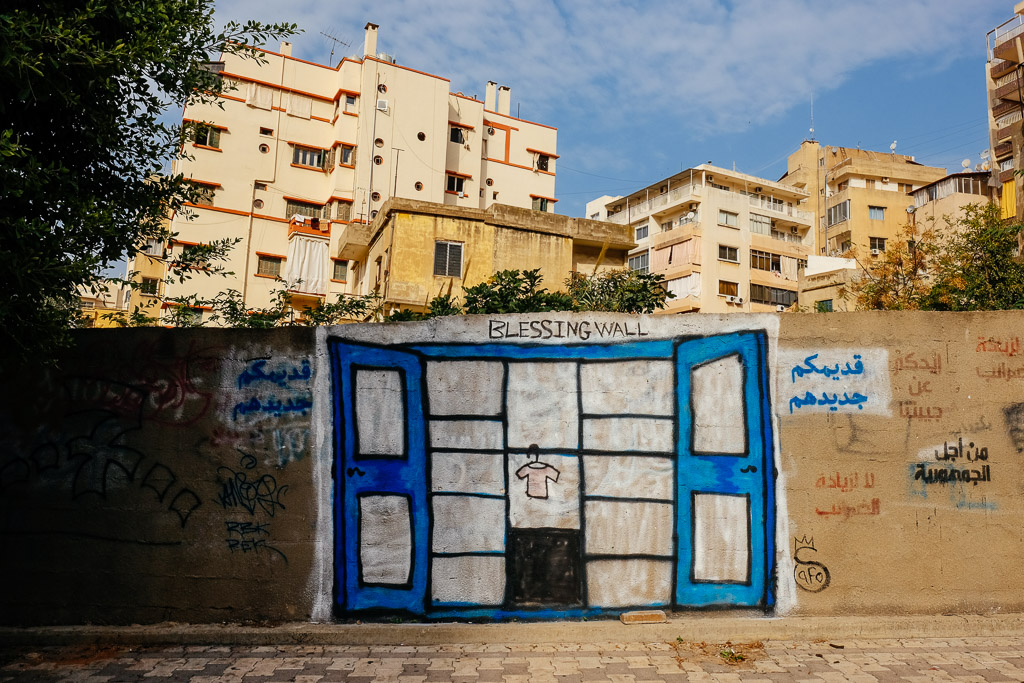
<point x="858" y="197"/>
<point x="946" y="198"/>
<point x="1005" y="107"/>
<point x="419" y="250"/>
<point x="299" y="154"/>
<point x="725" y="241"/>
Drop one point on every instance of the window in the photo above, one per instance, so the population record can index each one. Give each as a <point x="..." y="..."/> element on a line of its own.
<point x="762" y="225"/>
<point x="542" y="162"/>
<point x="823" y="306"/>
<point x="259" y="186"/>
<point x="839" y="213"/>
<point x="665" y="227"/>
<point x="340" y="271"/>
<point x="307" y="156"/>
<point x="456" y="183"/>
<point x="207" y="136"/>
<point x="457" y="135"/>
<point x="773" y="296"/>
<point x="731" y="254"/>
<point x="540" y="204"/>
<point x="842" y="186"/>
<point x="905" y="187"/>
<point x="640" y="262"/>
<point x="641" y="232"/>
<point x="347" y="155"/>
<point x="154" y="247"/>
<point x="350" y="103"/>
<point x="269" y="266"/>
<point x="342" y="211"/>
<point x="869" y="183"/>
<point x="876" y="213"/>
<point x="266" y="131"/>
<point x="206" y="193"/>
<point x="149" y="286"/>
<point x="726" y="288"/>
<point x="448" y="259"/>
<point x="763" y="260"/>
<point x="877" y="243"/>
<point x="293" y="208"/>
<point x="728" y="218"/>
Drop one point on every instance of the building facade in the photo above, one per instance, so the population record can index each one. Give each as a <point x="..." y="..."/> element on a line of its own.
<point x="945" y="199"/>
<point x="858" y="197"/>
<point x="416" y="251"/>
<point x="300" y="153"/>
<point x="1005" y="107"/>
<point x="725" y="241"/>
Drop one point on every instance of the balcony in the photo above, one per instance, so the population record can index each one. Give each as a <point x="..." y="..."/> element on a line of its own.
<point x="354" y="242"/>
<point x="1003" y="150"/>
<point x="1000" y="68"/>
<point x="1004" y="41"/>
<point x="677" y="234"/>
<point x="658" y="204"/>
<point x="1005" y="107"/>
<point x="1004" y="133"/>
<point x="775" y="207"/>
<point x="1008" y="91"/>
<point x="309" y="227"/>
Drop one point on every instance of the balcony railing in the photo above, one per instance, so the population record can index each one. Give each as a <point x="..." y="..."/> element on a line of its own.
<point x="766" y="203"/>
<point x="1006" y="31"/>
<point x="647" y="207"/>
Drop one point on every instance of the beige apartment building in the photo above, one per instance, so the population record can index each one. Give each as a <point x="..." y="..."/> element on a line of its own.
<point x="858" y="197"/>
<point x="301" y="153"/>
<point x="946" y="198"/>
<point x="1005" y="107"/>
<point x="725" y="241"/>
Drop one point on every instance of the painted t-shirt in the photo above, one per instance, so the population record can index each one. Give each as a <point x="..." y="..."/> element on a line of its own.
<point x="537" y="476"/>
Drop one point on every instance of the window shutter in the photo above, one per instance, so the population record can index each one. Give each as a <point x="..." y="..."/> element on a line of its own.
<point x="455" y="260"/>
<point x="440" y="258"/>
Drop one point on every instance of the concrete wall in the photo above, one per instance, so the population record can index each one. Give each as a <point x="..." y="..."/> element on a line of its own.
<point x="535" y="466"/>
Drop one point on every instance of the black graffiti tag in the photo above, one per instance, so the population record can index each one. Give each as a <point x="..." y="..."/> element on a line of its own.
<point x="238" y="490"/>
<point x="811" y="576"/>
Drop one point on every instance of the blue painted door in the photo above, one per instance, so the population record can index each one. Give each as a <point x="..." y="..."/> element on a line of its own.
<point x="725" y="481"/>
<point x="381" y="521"/>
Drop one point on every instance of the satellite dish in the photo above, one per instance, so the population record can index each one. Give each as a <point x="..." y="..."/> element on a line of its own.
<point x="966" y="163"/>
<point x="690" y="215"/>
<point x="985" y="154"/>
<point x="892" y="147"/>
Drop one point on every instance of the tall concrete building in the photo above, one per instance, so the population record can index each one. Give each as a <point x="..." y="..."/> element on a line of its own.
<point x="300" y="154"/>
<point x="859" y="198"/>
<point x="1005" y="107"/>
<point x="725" y="241"/>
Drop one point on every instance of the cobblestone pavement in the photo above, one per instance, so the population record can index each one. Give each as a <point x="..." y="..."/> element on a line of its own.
<point x="927" y="659"/>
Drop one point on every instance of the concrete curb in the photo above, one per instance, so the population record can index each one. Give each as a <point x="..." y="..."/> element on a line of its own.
<point x="690" y="628"/>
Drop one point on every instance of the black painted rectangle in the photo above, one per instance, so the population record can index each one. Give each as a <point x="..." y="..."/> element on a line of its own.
<point x="544" y="567"/>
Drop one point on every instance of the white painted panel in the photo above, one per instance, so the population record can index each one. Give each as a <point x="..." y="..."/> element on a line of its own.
<point x="474" y="579"/>
<point x="385" y="539"/>
<point x="466" y="524"/>
<point x="468" y="472"/>
<point x="629" y="476"/>
<point x="542" y="405"/>
<point x="380" y="413"/>
<point x="721" y="537"/>
<point x="470" y="387"/>
<point x="845" y="380"/>
<point x="716" y="395"/>
<point x="636" y="386"/>
<point x="545" y="495"/>
<point x="467" y="434"/>
<point x="628" y="528"/>
<point x="651" y="435"/>
<point x="629" y="583"/>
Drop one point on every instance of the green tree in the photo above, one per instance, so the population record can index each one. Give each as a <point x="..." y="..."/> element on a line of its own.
<point x="898" y="280"/>
<point x="619" y="291"/>
<point x="82" y="143"/>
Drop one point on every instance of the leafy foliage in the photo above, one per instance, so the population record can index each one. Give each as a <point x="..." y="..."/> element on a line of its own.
<point x="619" y="291"/>
<point x="514" y="291"/>
<point x="970" y="265"/>
<point x="82" y="144"/>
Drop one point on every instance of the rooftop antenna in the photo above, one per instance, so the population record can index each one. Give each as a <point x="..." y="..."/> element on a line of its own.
<point x="812" y="117"/>
<point x="892" y="147"/>
<point x="966" y="163"/>
<point x="335" y="41"/>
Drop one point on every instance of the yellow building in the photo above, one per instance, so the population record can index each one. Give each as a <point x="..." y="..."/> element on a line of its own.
<point x="858" y="197"/>
<point x="725" y="241"/>
<point x="826" y="285"/>
<point x="946" y="198"/>
<point x="418" y="250"/>
<point x="100" y="302"/>
<point x="300" y="154"/>
<point x="1005" y="57"/>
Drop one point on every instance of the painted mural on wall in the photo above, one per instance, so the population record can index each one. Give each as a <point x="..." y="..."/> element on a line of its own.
<point x="507" y="478"/>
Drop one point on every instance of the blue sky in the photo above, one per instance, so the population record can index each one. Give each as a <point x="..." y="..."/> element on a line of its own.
<point x="639" y="89"/>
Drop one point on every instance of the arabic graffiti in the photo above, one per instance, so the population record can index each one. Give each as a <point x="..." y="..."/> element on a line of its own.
<point x="289" y="393"/>
<point x="942" y="475"/>
<point x="1008" y="347"/>
<point x="810" y="575"/>
<point x="837" y="380"/>
<point x="257" y="371"/>
<point x="909" y="361"/>
<point x="273" y="406"/>
<point x="874" y="507"/>
<point x="958" y="451"/>
<point x="912" y="411"/>
<point x="846" y="483"/>
<point x="1001" y="372"/>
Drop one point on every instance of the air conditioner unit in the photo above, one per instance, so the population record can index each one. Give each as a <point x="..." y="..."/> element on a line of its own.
<point x="382" y="105"/>
<point x="738" y="299"/>
<point x="780" y="308"/>
<point x="730" y="299"/>
<point x="885" y="180"/>
<point x="876" y="252"/>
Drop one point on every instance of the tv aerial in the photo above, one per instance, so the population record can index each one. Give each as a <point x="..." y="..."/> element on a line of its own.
<point x="335" y="41"/>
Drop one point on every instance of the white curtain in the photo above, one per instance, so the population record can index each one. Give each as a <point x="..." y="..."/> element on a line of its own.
<point x="300" y="106"/>
<point x="307" y="261"/>
<point x="683" y="287"/>
<point x="789" y="268"/>
<point x="259" y="96"/>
